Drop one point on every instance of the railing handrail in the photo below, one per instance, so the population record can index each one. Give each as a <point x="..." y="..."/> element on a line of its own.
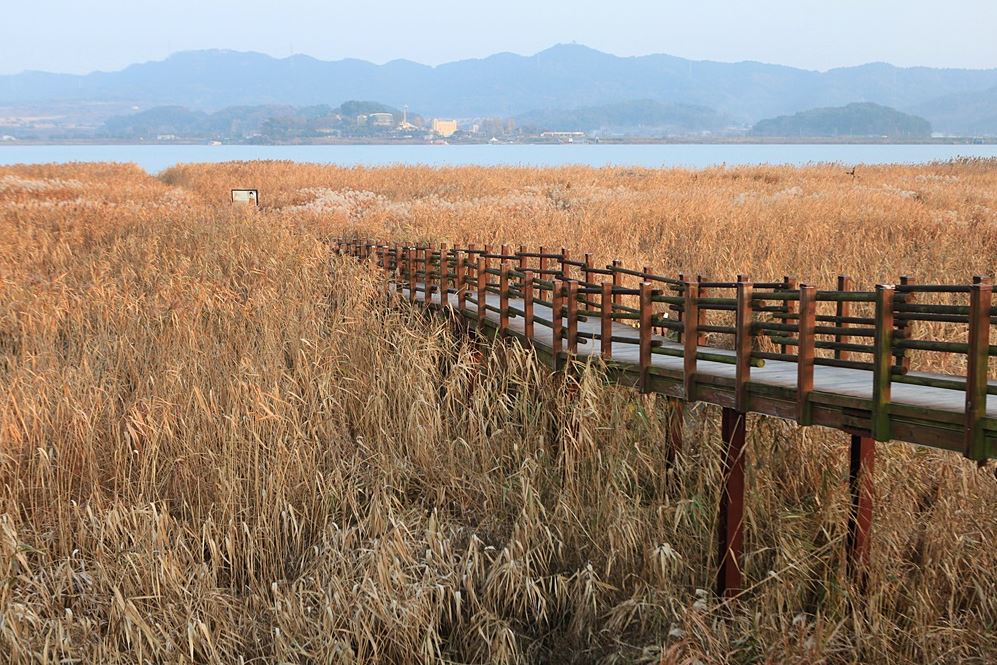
<point x="777" y="312"/>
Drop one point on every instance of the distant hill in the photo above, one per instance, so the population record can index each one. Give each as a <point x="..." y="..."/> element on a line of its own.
<point x="159" y="120"/>
<point x="851" y="120"/>
<point x="645" y="117"/>
<point x="962" y="114"/>
<point x="504" y="85"/>
<point x="275" y="122"/>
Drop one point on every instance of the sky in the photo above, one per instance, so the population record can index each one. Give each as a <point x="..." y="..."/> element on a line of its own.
<point x="78" y="36"/>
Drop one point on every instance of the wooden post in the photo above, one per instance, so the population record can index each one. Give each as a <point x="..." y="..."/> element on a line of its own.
<point x="790" y="306"/>
<point x="731" y="514"/>
<point x="399" y="269"/>
<point x="904" y="329"/>
<point x="977" y="360"/>
<point x="606" y="321"/>
<point x="742" y="343"/>
<point x="680" y="315"/>
<point x="565" y="268"/>
<point x="882" y="362"/>
<point x="528" y="309"/>
<point x="645" y="337"/>
<point x="438" y="274"/>
<point x="416" y="262"/>
<point x="646" y="278"/>
<point x="860" y="485"/>
<point x="504" y="251"/>
<point x="460" y="282"/>
<point x="444" y="275"/>
<point x="690" y="339"/>
<point x="504" y="300"/>
<point x="420" y="267"/>
<point x="428" y="278"/>
<point x="617" y="281"/>
<point x="482" y="276"/>
<point x="523" y="267"/>
<point x="487" y="249"/>
<point x="572" y="316"/>
<point x="805" y="354"/>
<point x="544" y="268"/>
<point x="484" y="265"/>
<point x="410" y="251"/>
<point x="556" y="327"/>
<point x="700" y="314"/>
<point x="843" y="308"/>
<point x="587" y="270"/>
<point x="471" y="271"/>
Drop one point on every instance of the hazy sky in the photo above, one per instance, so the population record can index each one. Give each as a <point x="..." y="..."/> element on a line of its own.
<point x="84" y="35"/>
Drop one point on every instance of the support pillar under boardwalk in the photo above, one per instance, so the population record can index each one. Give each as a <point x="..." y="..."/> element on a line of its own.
<point x="731" y="517"/>
<point x="676" y="421"/>
<point x="860" y="485"/>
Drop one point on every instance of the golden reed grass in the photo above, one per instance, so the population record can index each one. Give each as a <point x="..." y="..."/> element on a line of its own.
<point x="217" y="444"/>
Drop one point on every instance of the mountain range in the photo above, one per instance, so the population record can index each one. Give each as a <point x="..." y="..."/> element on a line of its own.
<point x="956" y="101"/>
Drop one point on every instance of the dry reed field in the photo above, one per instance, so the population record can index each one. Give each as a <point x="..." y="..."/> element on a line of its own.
<point x="220" y="444"/>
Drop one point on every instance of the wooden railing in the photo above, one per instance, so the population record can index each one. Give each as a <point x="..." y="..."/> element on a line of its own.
<point x="611" y="310"/>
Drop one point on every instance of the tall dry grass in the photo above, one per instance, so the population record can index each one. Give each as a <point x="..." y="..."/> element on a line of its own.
<point x="937" y="223"/>
<point x="934" y="223"/>
<point x="220" y="445"/>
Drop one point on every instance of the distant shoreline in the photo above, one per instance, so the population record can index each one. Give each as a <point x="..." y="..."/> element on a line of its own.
<point x="812" y="140"/>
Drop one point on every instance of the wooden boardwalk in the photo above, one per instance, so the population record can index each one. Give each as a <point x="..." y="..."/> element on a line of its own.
<point x="774" y="378"/>
<point x="838" y="359"/>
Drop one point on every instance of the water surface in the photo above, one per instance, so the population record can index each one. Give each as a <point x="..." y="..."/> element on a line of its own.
<point x="155" y="158"/>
